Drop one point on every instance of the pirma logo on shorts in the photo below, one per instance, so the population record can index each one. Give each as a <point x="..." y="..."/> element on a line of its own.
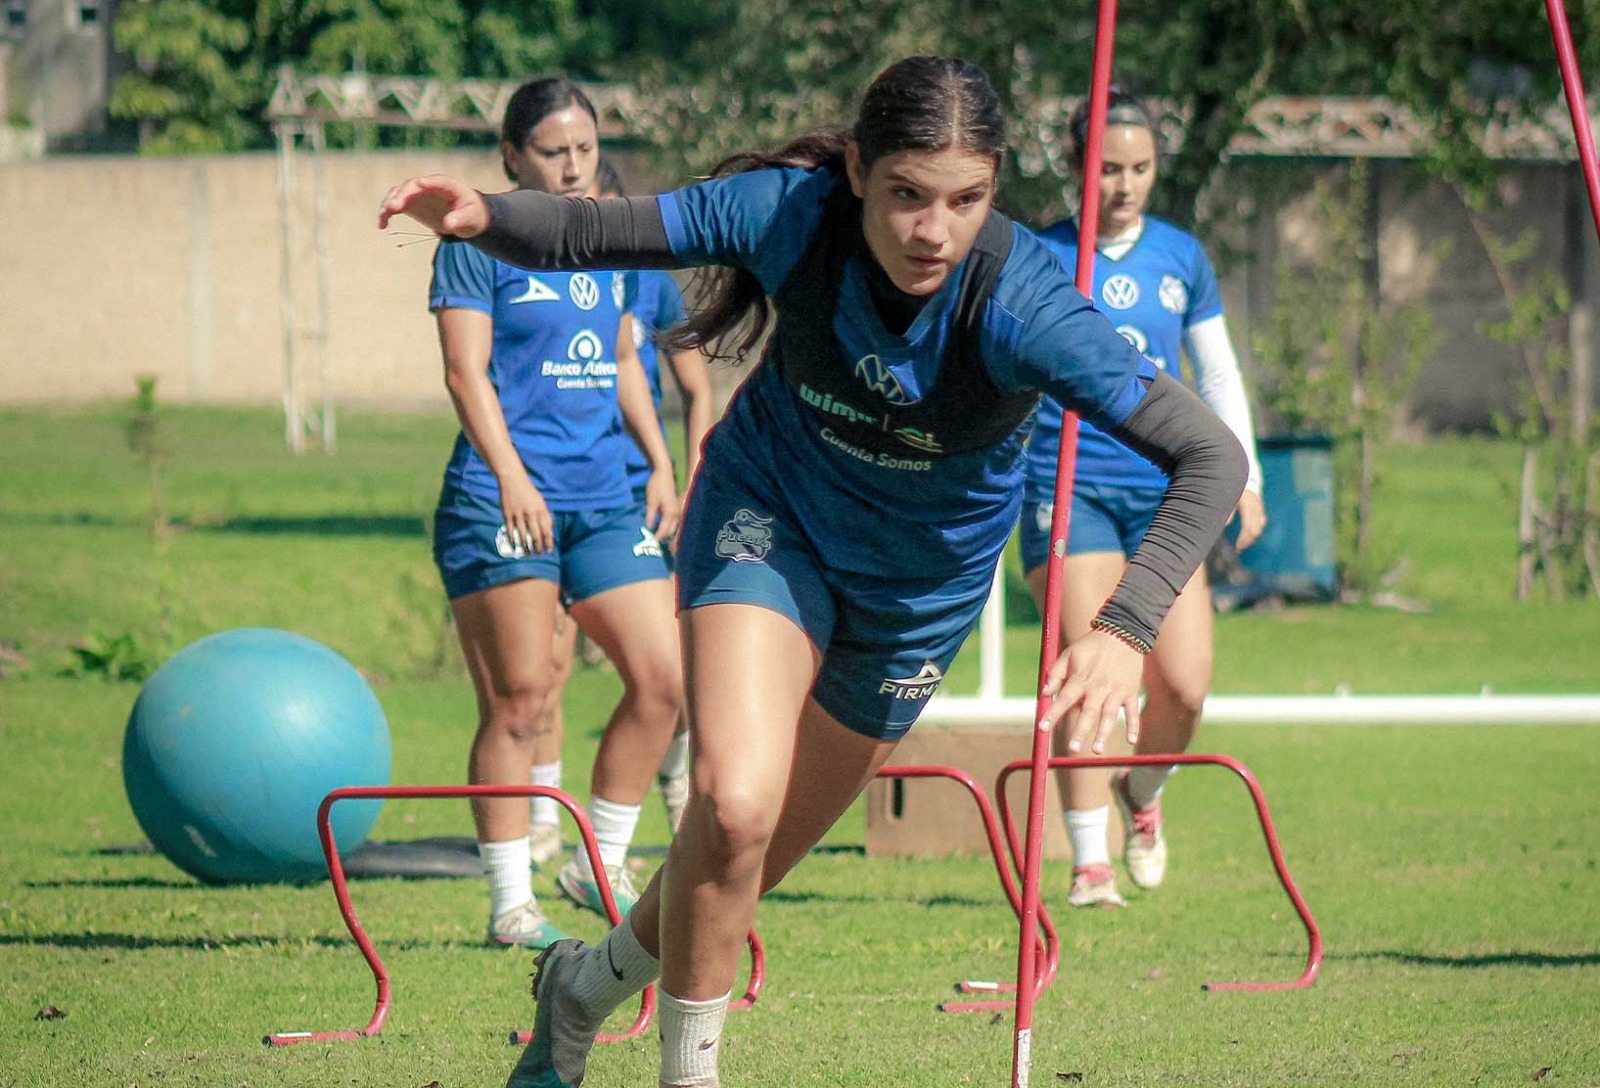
<point x="920" y="686"/>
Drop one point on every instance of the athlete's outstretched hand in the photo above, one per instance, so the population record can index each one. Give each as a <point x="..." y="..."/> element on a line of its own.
<point x="443" y="204"/>
<point x="1094" y="678"/>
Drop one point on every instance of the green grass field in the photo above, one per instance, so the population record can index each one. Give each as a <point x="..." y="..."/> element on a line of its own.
<point x="1455" y="871"/>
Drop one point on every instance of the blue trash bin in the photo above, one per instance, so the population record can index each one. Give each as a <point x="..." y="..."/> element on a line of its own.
<point x="1294" y="558"/>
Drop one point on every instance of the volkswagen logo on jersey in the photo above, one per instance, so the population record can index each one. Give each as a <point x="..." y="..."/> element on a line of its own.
<point x="1140" y="342"/>
<point x="584" y="291"/>
<point x="920" y="686"/>
<point x="1173" y="294"/>
<point x="506" y="547"/>
<point x="745" y="538"/>
<point x="1120" y="292"/>
<point x="878" y="378"/>
<point x="619" y="289"/>
<point x="585" y="347"/>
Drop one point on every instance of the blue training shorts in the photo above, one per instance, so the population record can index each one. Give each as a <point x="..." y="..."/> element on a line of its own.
<point x="885" y="641"/>
<point x="595" y="550"/>
<point x="1104" y="519"/>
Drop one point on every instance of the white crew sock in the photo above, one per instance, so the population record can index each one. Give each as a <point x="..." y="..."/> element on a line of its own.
<point x="546" y="810"/>
<point x="691" y="1039"/>
<point x="613" y="971"/>
<point x="676" y="761"/>
<point x="1145" y="782"/>
<point x="510" y="882"/>
<point x="1086" y="828"/>
<point x="613" y="831"/>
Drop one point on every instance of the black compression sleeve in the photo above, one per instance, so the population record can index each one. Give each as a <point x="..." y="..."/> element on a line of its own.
<point x="537" y="230"/>
<point x="1207" y="470"/>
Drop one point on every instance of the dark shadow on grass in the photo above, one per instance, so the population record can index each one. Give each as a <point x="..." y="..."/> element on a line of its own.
<point x="120" y="882"/>
<point x="132" y="942"/>
<point x="803" y="898"/>
<point x="1487" y="959"/>
<point x="411" y="526"/>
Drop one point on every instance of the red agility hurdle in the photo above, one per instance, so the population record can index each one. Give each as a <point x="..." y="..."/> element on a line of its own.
<point x="380" y="974"/>
<point x="1047" y="946"/>
<point x="1269" y="833"/>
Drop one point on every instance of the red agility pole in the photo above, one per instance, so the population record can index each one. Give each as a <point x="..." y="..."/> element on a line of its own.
<point x="1088" y="229"/>
<point x="1577" y="102"/>
<point x="1269" y="833"/>
<point x="1048" y="950"/>
<point x="380" y="974"/>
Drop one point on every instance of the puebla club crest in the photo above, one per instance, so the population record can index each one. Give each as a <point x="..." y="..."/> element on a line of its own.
<point x="745" y="538"/>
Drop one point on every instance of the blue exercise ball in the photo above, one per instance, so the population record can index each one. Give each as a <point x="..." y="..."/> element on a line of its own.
<point x="234" y="742"/>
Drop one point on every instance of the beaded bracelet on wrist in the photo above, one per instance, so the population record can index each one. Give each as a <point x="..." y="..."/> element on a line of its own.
<point x="1121" y="634"/>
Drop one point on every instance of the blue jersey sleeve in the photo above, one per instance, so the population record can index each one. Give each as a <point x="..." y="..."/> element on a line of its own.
<point x="1040" y="333"/>
<point x="463" y="278"/>
<point x="1205" y="296"/>
<point x="760" y="220"/>
<point x="669" y="305"/>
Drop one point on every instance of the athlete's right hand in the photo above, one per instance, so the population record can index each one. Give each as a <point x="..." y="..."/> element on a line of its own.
<point x="443" y="204"/>
<point x="527" y="518"/>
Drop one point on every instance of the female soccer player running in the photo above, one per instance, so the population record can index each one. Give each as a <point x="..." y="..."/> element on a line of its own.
<point x="536" y="512"/>
<point x="1155" y="283"/>
<point x="852" y="503"/>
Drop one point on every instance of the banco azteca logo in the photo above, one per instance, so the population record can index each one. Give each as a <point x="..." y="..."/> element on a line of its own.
<point x="877" y="377"/>
<point x="1135" y="336"/>
<point x="586" y="347"/>
<point x="583" y="291"/>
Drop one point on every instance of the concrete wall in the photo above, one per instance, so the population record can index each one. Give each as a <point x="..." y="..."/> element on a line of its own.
<point x="174" y="267"/>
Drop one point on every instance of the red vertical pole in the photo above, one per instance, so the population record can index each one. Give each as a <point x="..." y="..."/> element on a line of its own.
<point x="1050" y="642"/>
<point x="1577" y="102"/>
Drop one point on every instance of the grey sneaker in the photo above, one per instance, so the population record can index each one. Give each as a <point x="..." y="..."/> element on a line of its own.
<point x="675" y="795"/>
<point x="563" y="1030"/>
<point x="544" y="843"/>
<point x="525" y="926"/>
<point x="585" y="891"/>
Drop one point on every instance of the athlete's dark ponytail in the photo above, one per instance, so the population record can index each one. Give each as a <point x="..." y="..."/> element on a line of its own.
<point x="917" y="104"/>
<point x="533" y="102"/>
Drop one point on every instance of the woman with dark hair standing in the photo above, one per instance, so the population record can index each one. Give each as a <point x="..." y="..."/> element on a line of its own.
<point x="881" y="435"/>
<point x="1155" y="283"/>
<point x="536" y="513"/>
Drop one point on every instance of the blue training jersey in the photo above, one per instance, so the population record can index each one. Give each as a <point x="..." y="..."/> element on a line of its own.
<point x="1152" y="294"/>
<point x="554" y="368"/>
<point x="884" y="514"/>
<point x="657" y="308"/>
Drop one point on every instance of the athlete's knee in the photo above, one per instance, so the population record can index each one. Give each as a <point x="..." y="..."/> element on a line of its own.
<point x="657" y="686"/>
<point x="1179" y="699"/>
<point x="521" y="713"/>
<point x="738" y="821"/>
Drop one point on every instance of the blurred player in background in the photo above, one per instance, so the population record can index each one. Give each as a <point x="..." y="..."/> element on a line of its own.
<point x="536" y="513"/>
<point x="1156" y="285"/>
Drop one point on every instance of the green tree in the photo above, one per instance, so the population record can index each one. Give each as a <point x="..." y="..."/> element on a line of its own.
<point x="196" y="86"/>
